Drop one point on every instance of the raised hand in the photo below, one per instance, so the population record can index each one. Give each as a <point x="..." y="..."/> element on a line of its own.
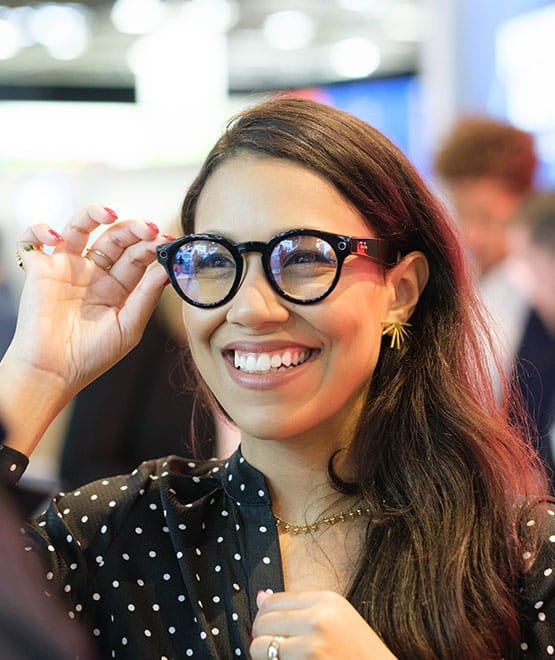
<point x="81" y="310"/>
<point x="320" y="625"/>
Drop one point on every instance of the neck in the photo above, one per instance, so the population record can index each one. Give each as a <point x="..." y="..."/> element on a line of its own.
<point x="296" y="472"/>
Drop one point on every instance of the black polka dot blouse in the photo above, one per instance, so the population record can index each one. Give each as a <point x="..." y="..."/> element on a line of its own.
<point x="166" y="562"/>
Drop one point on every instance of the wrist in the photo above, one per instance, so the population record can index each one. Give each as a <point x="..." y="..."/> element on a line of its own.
<point x="30" y="399"/>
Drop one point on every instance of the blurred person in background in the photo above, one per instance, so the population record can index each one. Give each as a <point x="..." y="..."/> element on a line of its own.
<point x="534" y="248"/>
<point x="487" y="169"/>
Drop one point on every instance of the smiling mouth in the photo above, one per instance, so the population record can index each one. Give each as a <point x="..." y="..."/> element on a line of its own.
<point x="265" y="363"/>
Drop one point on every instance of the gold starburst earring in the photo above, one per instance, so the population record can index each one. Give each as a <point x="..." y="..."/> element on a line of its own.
<point x="398" y="332"/>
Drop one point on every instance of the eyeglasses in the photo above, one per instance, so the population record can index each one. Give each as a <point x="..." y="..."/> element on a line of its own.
<point x="301" y="265"/>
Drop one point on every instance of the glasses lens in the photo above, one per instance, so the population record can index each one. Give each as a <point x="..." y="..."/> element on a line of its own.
<point x="303" y="267"/>
<point x="205" y="271"/>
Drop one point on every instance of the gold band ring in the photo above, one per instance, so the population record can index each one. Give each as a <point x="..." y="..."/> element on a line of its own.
<point x="28" y="247"/>
<point x="91" y="253"/>
<point x="273" y="648"/>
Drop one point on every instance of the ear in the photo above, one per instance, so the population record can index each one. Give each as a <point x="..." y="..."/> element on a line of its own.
<point x="407" y="281"/>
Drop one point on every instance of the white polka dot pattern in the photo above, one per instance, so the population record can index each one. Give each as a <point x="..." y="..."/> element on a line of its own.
<point x="166" y="562"/>
<point x="162" y="571"/>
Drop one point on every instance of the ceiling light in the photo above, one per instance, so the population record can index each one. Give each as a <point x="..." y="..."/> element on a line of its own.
<point x="9" y="40"/>
<point x="406" y="22"/>
<point x="63" y="29"/>
<point x="216" y="15"/>
<point x="362" y="5"/>
<point x="137" y="16"/>
<point x="20" y="17"/>
<point x="289" y="30"/>
<point x="355" y="57"/>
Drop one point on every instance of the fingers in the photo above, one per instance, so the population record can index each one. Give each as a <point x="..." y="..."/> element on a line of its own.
<point x="312" y="624"/>
<point x="29" y="247"/>
<point x="73" y="239"/>
<point x="142" y="300"/>
<point x="125" y="250"/>
<point x="77" y="231"/>
<point x="271" y="646"/>
<point x="280" y="613"/>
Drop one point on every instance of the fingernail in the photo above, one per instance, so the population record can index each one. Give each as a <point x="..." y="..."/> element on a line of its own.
<point x="57" y="236"/>
<point x="168" y="237"/>
<point x="153" y="227"/>
<point x="111" y="213"/>
<point x="251" y="637"/>
<point x="261" y="597"/>
<point x="167" y="281"/>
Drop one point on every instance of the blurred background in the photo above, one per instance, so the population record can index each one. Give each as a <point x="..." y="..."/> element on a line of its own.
<point x="118" y="101"/>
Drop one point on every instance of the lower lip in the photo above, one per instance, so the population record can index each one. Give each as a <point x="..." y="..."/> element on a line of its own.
<point x="269" y="380"/>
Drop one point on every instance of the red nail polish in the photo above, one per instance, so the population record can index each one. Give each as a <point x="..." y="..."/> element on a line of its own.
<point x="170" y="238"/>
<point x="153" y="227"/>
<point x="167" y="281"/>
<point x="251" y="637"/>
<point x="111" y="213"/>
<point x="57" y="236"/>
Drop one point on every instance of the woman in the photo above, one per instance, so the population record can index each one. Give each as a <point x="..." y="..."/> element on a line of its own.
<point x="379" y="505"/>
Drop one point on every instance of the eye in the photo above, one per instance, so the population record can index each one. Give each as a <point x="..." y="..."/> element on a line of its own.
<point x="215" y="260"/>
<point x="300" y="257"/>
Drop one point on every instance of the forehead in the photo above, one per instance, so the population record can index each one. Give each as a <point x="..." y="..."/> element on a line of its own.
<point x="253" y="197"/>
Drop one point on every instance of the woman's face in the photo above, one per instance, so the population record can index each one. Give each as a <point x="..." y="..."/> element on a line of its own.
<point x="332" y="346"/>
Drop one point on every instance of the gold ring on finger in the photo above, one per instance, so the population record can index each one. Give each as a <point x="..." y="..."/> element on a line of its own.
<point x="273" y="648"/>
<point x="96" y="255"/>
<point x="28" y="247"/>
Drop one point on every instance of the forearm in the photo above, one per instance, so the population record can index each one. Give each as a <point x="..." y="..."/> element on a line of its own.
<point x="30" y="399"/>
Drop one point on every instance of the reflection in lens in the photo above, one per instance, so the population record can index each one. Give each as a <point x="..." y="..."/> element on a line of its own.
<point x="303" y="267"/>
<point x="205" y="271"/>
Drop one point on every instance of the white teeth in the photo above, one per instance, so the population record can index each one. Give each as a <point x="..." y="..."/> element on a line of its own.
<point x="264" y="362"/>
<point x="268" y="362"/>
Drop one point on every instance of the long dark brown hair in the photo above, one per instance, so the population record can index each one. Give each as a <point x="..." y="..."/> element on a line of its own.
<point x="439" y="464"/>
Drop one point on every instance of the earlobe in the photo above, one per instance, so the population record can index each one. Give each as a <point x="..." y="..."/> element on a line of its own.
<point x="407" y="279"/>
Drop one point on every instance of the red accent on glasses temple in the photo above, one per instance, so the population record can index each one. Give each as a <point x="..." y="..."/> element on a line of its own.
<point x="374" y="248"/>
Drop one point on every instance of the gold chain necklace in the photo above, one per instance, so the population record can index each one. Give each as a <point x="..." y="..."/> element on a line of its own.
<point x="342" y="516"/>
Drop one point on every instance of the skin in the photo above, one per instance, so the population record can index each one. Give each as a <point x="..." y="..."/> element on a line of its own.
<point x="536" y="272"/>
<point x="484" y="208"/>
<point x="290" y="421"/>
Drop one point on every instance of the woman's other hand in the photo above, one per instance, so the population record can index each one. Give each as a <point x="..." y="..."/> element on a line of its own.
<point x="313" y="624"/>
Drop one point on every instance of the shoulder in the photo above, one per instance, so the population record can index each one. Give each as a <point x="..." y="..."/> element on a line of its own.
<point x="185" y="478"/>
<point x="537" y="588"/>
<point x="105" y="507"/>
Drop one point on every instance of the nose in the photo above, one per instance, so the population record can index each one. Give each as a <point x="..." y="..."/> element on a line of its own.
<point x="256" y="304"/>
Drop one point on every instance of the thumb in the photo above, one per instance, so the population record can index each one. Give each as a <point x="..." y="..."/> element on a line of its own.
<point x="142" y="300"/>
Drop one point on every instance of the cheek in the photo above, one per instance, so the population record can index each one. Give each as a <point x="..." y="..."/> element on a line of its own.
<point x="199" y="327"/>
<point x="355" y="328"/>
